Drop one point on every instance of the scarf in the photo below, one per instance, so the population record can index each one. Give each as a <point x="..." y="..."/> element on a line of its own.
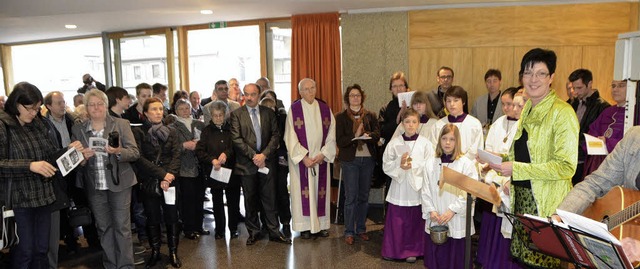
<point x="158" y="133"/>
<point x="358" y="117"/>
<point x="186" y="121"/>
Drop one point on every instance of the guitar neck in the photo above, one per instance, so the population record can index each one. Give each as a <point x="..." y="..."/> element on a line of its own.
<point x="623" y="216"/>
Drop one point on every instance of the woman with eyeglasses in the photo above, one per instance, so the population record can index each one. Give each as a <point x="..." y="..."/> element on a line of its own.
<point x="191" y="181"/>
<point x="544" y="154"/>
<point x="357" y="133"/>
<point x="26" y="150"/>
<point x="108" y="177"/>
<point x="159" y="160"/>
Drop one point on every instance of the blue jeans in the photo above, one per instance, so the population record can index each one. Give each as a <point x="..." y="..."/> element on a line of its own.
<point x="356" y="179"/>
<point x="34" y="226"/>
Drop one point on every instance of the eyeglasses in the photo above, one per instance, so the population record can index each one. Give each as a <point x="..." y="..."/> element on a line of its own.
<point x="31" y="109"/>
<point x="398" y="86"/>
<point x="100" y="104"/>
<point x="445" y="77"/>
<point x="538" y="75"/>
<point x="222" y="89"/>
<point x="355" y="95"/>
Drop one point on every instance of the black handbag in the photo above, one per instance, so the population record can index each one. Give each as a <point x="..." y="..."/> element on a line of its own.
<point x="9" y="228"/>
<point x="79" y="216"/>
<point x="151" y="186"/>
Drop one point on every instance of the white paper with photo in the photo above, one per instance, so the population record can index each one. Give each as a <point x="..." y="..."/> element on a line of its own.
<point x="595" y="146"/>
<point x="99" y="145"/>
<point x="362" y="137"/>
<point x="489" y="157"/>
<point x="69" y="160"/>
<point x="223" y="174"/>
<point x="170" y="196"/>
<point x="406" y="97"/>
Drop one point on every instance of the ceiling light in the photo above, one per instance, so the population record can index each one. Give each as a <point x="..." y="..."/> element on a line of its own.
<point x="70" y="26"/>
<point x="206" y="12"/>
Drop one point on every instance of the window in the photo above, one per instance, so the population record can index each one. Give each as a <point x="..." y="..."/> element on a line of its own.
<point x="221" y="54"/>
<point x="156" y="70"/>
<point x="144" y="59"/>
<point x="59" y="66"/>
<point x="279" y="59"/>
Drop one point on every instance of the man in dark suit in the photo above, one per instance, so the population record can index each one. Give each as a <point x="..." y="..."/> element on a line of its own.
<point x="255" y="135"/>
<point x="436" y="96"/>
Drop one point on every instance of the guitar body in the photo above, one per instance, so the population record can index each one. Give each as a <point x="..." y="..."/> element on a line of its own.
<point x="613" y="202"/>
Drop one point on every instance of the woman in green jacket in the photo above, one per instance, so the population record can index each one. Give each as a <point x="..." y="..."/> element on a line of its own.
<point x="544" y="153"/>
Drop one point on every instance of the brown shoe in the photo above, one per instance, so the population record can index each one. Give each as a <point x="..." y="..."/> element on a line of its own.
<point x="349" y="239"/>
<point x="364" y="236"/>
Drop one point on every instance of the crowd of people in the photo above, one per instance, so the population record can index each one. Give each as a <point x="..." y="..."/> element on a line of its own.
<point x="158" y="158"/>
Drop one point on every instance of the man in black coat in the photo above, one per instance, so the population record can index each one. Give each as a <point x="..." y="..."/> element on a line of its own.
<point x="255" y="135"/>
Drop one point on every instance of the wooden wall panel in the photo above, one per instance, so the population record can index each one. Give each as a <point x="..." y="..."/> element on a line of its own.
<point x="426" y="63"/>
<point x="550" y="25"/>
<point x="600" y="60"/>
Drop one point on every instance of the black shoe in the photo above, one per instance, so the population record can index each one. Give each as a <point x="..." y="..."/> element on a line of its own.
<point x="235" y="234"/>
<point x="191" y="235"/>
<point x="305" y="235"/>
<point x="174" y="260"/>
<point x="137" y="260"/>
<point x="324" y="233"/>
<point x="204" y="232"/>
<point x="280" y="238"/>
<point x="218" y="236"/>
<point x="251" y="240"/>
<point x="286" y="230"/>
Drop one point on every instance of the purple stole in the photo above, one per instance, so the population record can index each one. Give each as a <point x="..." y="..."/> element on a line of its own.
<point x="301" y="133"/>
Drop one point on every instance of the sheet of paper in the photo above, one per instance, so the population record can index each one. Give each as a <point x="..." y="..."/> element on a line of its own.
<point x="99" y="145"/>
<point x="69" y="161"/>
<point x="170" y="196"/>
<point x="402" y="149"/>
<point x="264" y="170"/>
<point x="587" y="225"/>
<point x="405" y="96"/>
<point x="222" y="174"/>
<point x="595" y="146"/>
<point x="363" y="137"/>
<point x="489" y="157"/>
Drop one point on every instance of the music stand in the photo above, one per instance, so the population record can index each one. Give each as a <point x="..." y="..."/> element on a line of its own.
<point x="564" y="242"/>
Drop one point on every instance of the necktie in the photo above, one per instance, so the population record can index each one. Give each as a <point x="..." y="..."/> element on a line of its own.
<point x="582" y="107"/>
<point x="256" y="128"/>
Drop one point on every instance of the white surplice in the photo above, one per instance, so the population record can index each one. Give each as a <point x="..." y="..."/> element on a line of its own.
<point x="425" y="129"/>
<point x="470" y="134"/>
<point x="449" y="197"/>
<point x="296" y="152"/>
<point x="406" y="184"/>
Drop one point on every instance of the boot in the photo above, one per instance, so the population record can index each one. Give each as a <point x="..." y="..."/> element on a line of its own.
<point x="153" y="232"/>
<point x="173" y="236"/>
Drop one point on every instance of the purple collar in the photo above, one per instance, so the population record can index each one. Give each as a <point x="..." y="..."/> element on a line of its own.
<point x="511" y="119"/>
<point x="424" y="119"/>
<point x="453" y="119"/>
<point x="446" y="158"/>
<point x="410" y="138"/>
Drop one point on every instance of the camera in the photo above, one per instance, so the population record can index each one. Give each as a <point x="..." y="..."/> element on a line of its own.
<point x="114" y="139"/>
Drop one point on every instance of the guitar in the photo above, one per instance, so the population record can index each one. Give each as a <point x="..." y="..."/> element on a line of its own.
<point x="620" y="210"/>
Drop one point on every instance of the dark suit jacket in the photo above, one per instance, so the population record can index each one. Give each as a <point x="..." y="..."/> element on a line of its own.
<point x="169" y="157"/>
<point x="244" y="139"/>
<point x="437" y="104"/>
<point x="595" y="106"/>
<point x="130" y="153"/>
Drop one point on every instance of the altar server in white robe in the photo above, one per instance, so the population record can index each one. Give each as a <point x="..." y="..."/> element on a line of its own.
<point x="470" y="128"/>
<point x="495" y="231"/>
<point x="420" y="103"/>
<point x="310" y="137"/>
<point x="446" y="206"/>
<point x="403" y="161"/>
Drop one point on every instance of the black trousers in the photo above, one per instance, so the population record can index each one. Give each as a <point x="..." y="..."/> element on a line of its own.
<point x="191" y="203"/>
<point x="259" y="189"/>
<point x="232" y="191"/>
<point x="155" y="208"/>
<point x="282" y="195"/>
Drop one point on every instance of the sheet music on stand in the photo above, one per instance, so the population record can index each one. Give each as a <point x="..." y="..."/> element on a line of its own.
<point x="583" y="249"/>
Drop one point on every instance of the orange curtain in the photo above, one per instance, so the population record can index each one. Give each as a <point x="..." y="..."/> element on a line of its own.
<point x="315" y="54"/>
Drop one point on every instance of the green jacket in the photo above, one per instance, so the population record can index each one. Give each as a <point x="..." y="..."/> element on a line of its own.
<point x="553" y="131"/>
